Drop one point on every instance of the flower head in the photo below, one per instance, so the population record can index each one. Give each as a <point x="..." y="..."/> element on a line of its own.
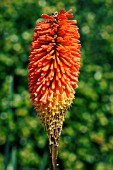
<point x="54" y="64"/>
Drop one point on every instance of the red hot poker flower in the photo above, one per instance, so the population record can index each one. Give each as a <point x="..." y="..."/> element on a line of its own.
<point x="54" y="64"/>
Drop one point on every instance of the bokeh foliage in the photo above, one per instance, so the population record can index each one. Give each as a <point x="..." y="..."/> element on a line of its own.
<point x="87" y="137"/>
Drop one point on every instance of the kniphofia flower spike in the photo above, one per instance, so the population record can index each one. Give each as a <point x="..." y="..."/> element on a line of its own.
<point x="54" y="64"/>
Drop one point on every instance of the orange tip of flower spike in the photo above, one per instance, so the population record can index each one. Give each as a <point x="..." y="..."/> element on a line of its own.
<point x="54" y="64"/>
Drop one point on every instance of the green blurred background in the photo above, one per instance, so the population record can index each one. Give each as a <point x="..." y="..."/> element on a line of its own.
<point x="87" y="138"/>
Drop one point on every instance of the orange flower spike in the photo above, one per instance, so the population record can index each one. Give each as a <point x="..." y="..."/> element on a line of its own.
<point x="54" y="64"/>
